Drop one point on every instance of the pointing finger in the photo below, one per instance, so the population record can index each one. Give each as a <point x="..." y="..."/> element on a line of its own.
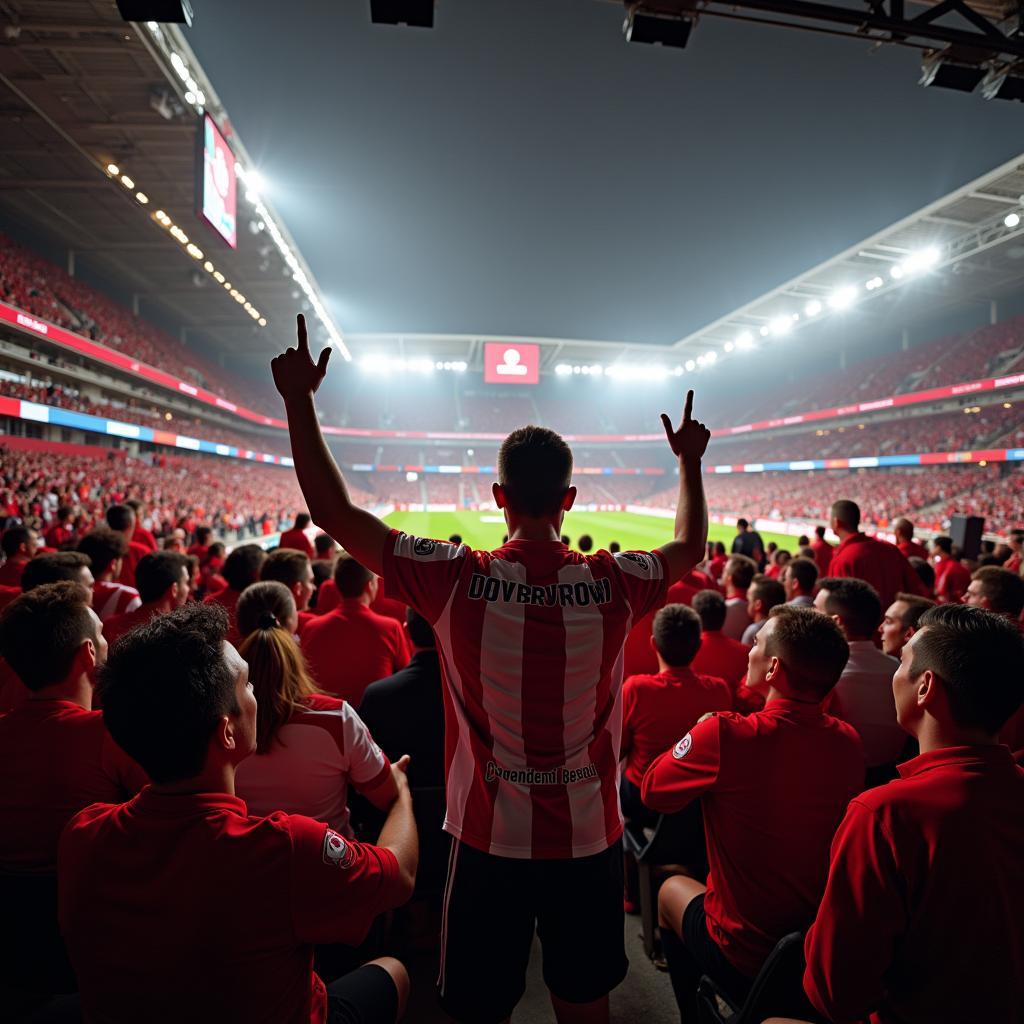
<point x="300" y="322"/>
<point x="688" y="411"/>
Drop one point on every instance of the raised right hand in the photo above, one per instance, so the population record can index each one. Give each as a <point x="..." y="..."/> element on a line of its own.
<point x="690" y="441"/>
<point x="295" y="373"/>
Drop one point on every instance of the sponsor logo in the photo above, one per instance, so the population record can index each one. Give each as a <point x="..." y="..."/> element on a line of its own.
<point x="423" y="546"/>
<point x="682" y="748"/>
<point x="560" y="776"/>
<point x="642" y="560"/>
<point x="567" y="595"/>
<point x="337" y="850"/>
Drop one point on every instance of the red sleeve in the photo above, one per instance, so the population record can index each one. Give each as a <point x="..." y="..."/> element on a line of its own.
<point x="690" y="768"/>
<point x="628" y="707"/>
<point x="643" y="577"/>
<point x="863" y="913"/>
<point x="422" y="572"/>
<point x="338" y="886"/>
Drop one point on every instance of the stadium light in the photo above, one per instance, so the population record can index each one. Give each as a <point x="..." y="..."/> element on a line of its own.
<point x="745" y="341"/>
<point x="765" y="331"/>
<point x="113" y="170"/>
<point x="813" y="308"/>
<point x="563" y="370"/>
<point x="1011" y="220"/>
<point x="728" y="346"/>
<point x="873" y="283"/>
<point x="843" y="298"/>
<point x="127" y="182"/>
<point x="780" y="326"/>
<point x="690" y="365"/>
<point x="710" y="358"/>
<point x="896" y="271"/>
<point x="921" y="260"/>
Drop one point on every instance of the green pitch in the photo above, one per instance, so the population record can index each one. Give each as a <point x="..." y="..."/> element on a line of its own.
<point x="485" y="529"/>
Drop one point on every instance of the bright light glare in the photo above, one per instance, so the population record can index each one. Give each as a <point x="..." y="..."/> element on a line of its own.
<point x="781" y="325"/>
<point x="813" y="308"/>
<point x="896" y="272"/>
<point x="113" y="170"/>
<point x="875" y="282"/>
<point x="635" y="371"/>
<point x="843" y="298"/>
<point x="711" y="358"/>
<point x="690" y="365"/>
<point x="745" y="341"/>
<point x="1011" y="220"/>
<point x="563" y="370"/>
<point x="728" y="346"/>
<point x="921" y="260"/>
<point x="765" y="331"/>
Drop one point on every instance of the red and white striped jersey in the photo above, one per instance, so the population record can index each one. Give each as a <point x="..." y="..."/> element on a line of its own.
<point x="530" y="638"/>
<point x="113" y="599"/>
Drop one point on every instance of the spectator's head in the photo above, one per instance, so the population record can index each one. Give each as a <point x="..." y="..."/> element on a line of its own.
<point x="19" y="542"/>
<point x="925" y="572"/>
<point x="302" y="520"/>
<point x="263" y="601"/>
<point x="852" y="603"/>
<point x="900" y="621"/>
<point x="742" y="525"/>
<point x="122" y="519"/>
<point x="615" y="547"/>
<point x="242" y="567"/>
<point x="325" y="546"/>
<point x="64" y="513"/>
<point x="739" y="574"/>
<point x="175" y="541"/>
<point x="942" y="547"/>
<point x="162" y="578"/>
<point x="193" y="575"/>
<point x="763" y="595"/>
<point x="807" y="552"/>
<point x="904" y="530"/>
<point x="803" y="541"/>
<point x="564" y="538"/>
<point x="819" y="532"/>
<point x="799" y="578"/>
<point x="354" y="580"/>
<point x="176" y="696"/>
<point x="216" y="550"/>
<point x="1017" y="540"/>
<point x="534" y="475"/>
<point x="277" y="670"/>
<point x="781" y="557"/>
<point x="798" y="653"/>
<point x="294" y="570"/>
<point x="770" y="548"/>
<point x="586" y="543"/>
<point x="997" y="590"/>
<point x="455" y="538"/>
<point x="710" y="606"/>
<point x="138" y="507"/>
<point x="420" y="634"/>
<point x="52" y="638"/>
<point x="675" y="635"/>
<point x="719" y="549"/>
<point x="203" y="535"/>
<point x="961" y="670"/>
<point x="105" y="550"/>
<point x="845" y="518"/>
<point x="61" y="566"/>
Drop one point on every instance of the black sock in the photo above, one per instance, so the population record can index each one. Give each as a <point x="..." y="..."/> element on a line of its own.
<point x="684" y="972"/>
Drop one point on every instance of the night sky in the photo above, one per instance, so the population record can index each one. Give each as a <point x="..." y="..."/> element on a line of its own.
<point x="520" y="169"/>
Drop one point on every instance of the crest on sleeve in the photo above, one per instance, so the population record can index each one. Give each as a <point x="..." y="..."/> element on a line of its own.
<point x="682" y="748"/>
<point x="638" y="558"/>
<point x="423" y="546"/>
<point x="337" y="850"/>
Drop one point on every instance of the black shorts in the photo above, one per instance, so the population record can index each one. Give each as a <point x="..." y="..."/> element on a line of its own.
<point x="492" y="905"/>
<point x="708" y="955"/>
<point x="363" y="996"/>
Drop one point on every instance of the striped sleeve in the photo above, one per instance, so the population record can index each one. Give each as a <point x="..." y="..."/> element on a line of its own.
<point x="644" y="579"/>
<point x="422" y="572"/>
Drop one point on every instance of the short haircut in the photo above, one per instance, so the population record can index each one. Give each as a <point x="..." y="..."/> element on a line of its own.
<point x="350" y="576"/>
<point x="53" y="568"/>
<point x="157" y="572"/>
<point x="165" y="688"/>
<point x="261" y="601"/>
<point x="925" y="571"/>
<point x="120" y="517"/>
<point x="455" y="538"/>
<point x="323" y="543"/>
<point x="676" y="633"/>
<point x="302" y="520"/>
<point x="285" y="565"/>
<point x="944" y="544"/>
<point x="742" y="523"/>
<point x="64" y="513"/>
<point x="1017" y="534"/>
<point x="41" y="632"/>
<point x="741" y="570"/>
<point x="615" y="547"/>
<point x="203" y="534"/>
<point x="419" y="629"/>
<point x="243" y="565"/>
<point x="216" y="550"/>
<point x="586" y="543"/>
<point x="805" y="572"/>
<point x="857" y="603"/>
<point x="904" y="527"/>
<point x="719" y="548"/>
<point x="102" y="547"/>
<point x="1003" y="589"/>
<point x="710" y="606"/>
<point x="767" y="590"/>
<point x="847" y="513"/>
<point x="803" y="540"/>
<point x="534" y="470"/>
<point x="810" y="646"/>
<point x="916" y="607"/>
<point x="819" y="532"/>
<point x="971" y="650"/>
<point x="13" y="538"/>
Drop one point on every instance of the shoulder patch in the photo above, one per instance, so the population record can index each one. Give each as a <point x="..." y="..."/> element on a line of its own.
<point x="337" y="850"/>
<point x="636" y="556"/>
<point x="682" y="748"/>
<point x="423" y="546"/>
<point x="639" y="563"/>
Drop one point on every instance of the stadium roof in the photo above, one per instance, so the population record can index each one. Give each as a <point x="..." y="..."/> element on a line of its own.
<point x="81" y="91"/>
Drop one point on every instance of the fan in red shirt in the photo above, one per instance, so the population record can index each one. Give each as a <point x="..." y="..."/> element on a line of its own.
<point x="718" y="654"/>
<point x="866" y="558"/>
<point x="240" y="899"/>
<point x="293" y="569"/>
<point x="204" y="537"/>
<point x="715" y="567"/>
<point x="297" y="539"/>
<point x="783" y="775"/>
<point x="121" y="519"/>
<point x="530" y="637"/>
<point x="106" y="550"/>
<point x="1016" y="541"/>
<point x="952" y="577"/>
<point x="19" y="544"/>
<point x="163" y="579"/>
<point x="823" y="551"/>
<point x="141" y="535"/>
<point x="61" y="532"/>
<point x="241" y="569"/>
<point x="352" y="646"/>
<point x="936" y="853"/>
<point x="658" y="709"/>
<point x="903" y="528"/>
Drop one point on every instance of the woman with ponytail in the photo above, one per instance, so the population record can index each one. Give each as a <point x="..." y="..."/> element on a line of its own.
<point x="309" y="746"/>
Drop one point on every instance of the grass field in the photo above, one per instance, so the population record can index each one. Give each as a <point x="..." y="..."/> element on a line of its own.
<point x="485" y="529"/>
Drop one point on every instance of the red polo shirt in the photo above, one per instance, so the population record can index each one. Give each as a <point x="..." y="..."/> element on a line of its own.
<point x="721" y="656"/>
<point x="823" y="552"/>
<point x="773" y="787"/>
<point x="136" y="552"/>
<point x="55" y="758"/>
<point x="297" y="541"/>
<point x="183" y="907"/>
<point x="11" y="570"/>
<point x="658" y="709"/>
<point x="55" y="536"/>
<point x="951" y="581"/>
<point x="911" y="549"/>
<point x="305" y="618"/>
<point x="876" y="562"/>
<point x="930" y="857"/>
<point x="144" y="537"/>
<point x="351" y="647"/>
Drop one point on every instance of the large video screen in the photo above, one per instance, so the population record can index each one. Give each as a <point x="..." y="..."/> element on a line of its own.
<point x="218" y="199"/>
<point x="511" y="363"/>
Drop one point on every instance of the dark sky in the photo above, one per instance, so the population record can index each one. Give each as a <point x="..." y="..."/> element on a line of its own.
<point x="521" y="170"/>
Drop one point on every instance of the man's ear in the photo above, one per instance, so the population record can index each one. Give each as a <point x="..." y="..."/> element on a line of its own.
<point x="225" y="733"/>
<point x="774" y="666"/>
<point x="654" y="646"/>
<point x="87" y="657"/>
<point x="569" y="499"/>
<point x="927" y="689"/>
<point x="499" y="495"/>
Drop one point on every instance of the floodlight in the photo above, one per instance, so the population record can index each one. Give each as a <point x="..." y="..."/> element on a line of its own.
<point x="941" y="72"/>
<point x="1011" y="220"/>
<point x="728" y="346"/>
<point x="843" y="298"/>
<point x="896" y="272"/>
<point x="563" y="370"/>
<point x="780" y="325"/>
<point x="813" y="308"/>
<point x="873" y="283"/>
<point x="690" y="365"/>
<point x="745" y="341"/>
<point x="999" y="84"/>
